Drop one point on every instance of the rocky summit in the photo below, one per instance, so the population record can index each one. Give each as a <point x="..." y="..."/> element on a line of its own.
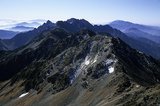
<point x="62" y="68"/>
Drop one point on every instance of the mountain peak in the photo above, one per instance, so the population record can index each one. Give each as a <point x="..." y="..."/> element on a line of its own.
<point x="121" y="22"/>
<point x="74" y="25"/>
<point x="46" y="26"/>
<point x="74" y="21"/>
<point x="49" y="22"/>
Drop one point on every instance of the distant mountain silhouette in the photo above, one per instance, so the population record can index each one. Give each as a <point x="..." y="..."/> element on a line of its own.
<point x="136" y="33"/>
<point x="124" y="25"/>
<point x="28" y="24"/>
<point x="5" y="34"/>
<point x="21" y="28"/>
<point x="75" y="25"/>
<point x="24" y="38"/>
<point x="141" y="37"/>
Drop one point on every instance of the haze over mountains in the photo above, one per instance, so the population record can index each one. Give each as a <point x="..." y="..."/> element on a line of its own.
<point x="8" y="24"/>
<point x="141" y="31"/>
<point x="9" y="28"/>
<point x="132" y="34"/>
<point x="5" y="34"/>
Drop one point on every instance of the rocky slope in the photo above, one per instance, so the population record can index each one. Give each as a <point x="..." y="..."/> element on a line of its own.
<point x="85" y="69"/>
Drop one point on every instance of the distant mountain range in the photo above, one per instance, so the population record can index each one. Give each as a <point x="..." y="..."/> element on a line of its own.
<point x="136" y="33"/>
<point x="142" y="37"/>
<point x="124" y="25"/>
<point x="20" y="26"/>
<point x="24" y="38"/>
<point x="137" y="30"/>
<point x="9" y="28"/>
<point x="137" y="39"/>
<point x="5" y="34"/>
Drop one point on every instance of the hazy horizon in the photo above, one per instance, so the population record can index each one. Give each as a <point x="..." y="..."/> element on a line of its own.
<point x="97" y="12"/>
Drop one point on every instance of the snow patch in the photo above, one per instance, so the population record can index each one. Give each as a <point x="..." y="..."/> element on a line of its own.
<point x="24" y="94"/>
<point x="82" y="67"/>
<point x="95" y="59"/>
<point x="71" y="80"/>
<point x="111" y="69"/>
<point x="139" y="52"/>
<point x="137" y="86"/>
<point x="87" y="62"/>
<point x="109" y="62"/>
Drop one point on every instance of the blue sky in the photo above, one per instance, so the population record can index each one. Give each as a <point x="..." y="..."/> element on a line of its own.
<point x="95" y="11"/>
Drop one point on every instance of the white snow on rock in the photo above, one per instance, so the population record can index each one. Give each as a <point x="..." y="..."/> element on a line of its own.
<point x="109" y="61"/>
<point x="139" y="52"/>
<point x="24" y="94"/>
<point x="87" y="61"/>
<point x="95" y="59"/>
<point x="111" y="69"/>
<point x="137" y="86"/>
<point x="71" y="80"/>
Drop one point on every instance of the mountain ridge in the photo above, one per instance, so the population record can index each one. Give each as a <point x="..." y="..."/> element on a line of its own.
<point x="123" y="25"/>
<point x="74" y="66"/>
<point x="75" y="25"/>
<point x="6" y="34"/>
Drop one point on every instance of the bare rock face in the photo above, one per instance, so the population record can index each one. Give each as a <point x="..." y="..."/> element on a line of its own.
<point x="67" y="69"/>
